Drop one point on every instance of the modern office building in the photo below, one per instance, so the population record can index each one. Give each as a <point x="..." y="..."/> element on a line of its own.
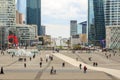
<point x="34" y="14"/>
<point x="19" y="18"/>
<point x="73" y="27"/>
<point x="21" y="8"/>
<point x="7" y="17"/>
<point x="96" y="23"/>
<point x="79" y="28"/>
<point x="113" y="37"/>
<point x="112" y="12"/>
<point x="43" y="29"/>
<point x="82" y="28"/>
<point x="112" y="22"/>
<point x="26" y="33"/>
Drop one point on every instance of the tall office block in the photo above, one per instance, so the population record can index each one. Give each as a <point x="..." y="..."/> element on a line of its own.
<point x="96" y="24"/>
<point x="7" y="13"/>
<point x="21" y="8"/>
<point x="34" y="14"/>
<point x="7" y="17"/>
<point x="43" y="29"/>
<point x="73" y="27"/>
<point x="112" y="12"/>
<point x="82" y="27"/>
<point x="112" y="22"/>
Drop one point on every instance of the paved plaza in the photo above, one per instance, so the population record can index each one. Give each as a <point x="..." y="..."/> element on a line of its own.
<point x="107" y="69"/>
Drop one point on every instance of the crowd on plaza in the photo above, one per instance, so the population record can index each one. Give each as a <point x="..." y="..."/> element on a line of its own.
<point x="49" y="57"/>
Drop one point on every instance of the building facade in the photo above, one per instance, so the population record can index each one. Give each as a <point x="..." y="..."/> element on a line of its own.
<point x="73" y="27"/>
<point x="25" y="33"/>
<point x="113" y="37"/>
<point x="82" y="28"/>
<point x="43" y="29"/>
<point x="19" y="18"/>
<point x="7" y="17"/>
<point x="112" y="12"/>
<point x="96" y="23"/>
<point x="112" y="22"/>
<point x="34" y="14"/>
<point x="21" y="8"/>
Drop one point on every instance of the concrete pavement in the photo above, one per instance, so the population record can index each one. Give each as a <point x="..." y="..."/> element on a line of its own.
<point x="73" y="62"/>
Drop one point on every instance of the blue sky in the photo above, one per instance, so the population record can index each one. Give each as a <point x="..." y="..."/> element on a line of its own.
<point x="56" y="15"/>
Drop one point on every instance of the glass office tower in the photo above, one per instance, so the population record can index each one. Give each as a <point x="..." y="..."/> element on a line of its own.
<point x="34" y="14"/>
<point x="96" y="24"/>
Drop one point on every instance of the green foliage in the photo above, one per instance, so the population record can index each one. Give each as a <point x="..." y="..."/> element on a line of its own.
<point x="77" y="47"/>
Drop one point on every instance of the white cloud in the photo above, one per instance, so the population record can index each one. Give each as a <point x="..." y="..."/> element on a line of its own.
<point x="63" y="10"/>
<point x="57" y="30"/>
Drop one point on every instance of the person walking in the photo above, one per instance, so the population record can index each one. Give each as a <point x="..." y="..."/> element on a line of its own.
<point x="41" y="64"/>
<point x="2" y="72"/>
<point x="63" y="64"/>
<point x="85" y="69"/>
<point x="30" y="58"/>
<point x="96" y="64"/>
<point x="80" y="66"/>
<point x="25" y="65"/>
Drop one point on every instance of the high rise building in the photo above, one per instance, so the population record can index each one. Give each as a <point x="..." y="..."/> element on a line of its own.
<point x="21" y="8"/>
<point x="112" y="12"/>
<point x="112" y="22"/>
<point x="73" y="27"/>
<point x="82" y="27"/>
<point x="34" y="14"/>
<point x="7" y="13"/>
<point x="19" y="18"/>
<point x="96" y="24"/>
<point x="7" y="17"/>
<point x="43" y="29"/>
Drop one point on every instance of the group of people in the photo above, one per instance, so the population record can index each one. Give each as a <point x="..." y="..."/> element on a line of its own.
<point x="84" y="68"/>
<point x="95" y="64"/>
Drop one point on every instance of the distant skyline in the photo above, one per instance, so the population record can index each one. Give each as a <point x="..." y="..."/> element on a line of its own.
<point x="56" y="15"/>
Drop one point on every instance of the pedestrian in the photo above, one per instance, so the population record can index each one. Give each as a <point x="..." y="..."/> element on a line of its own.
<point x="41" y="59"/>
<point x="46" y="60"/>
<point x="30" y="58"/>
<point x="2" y="72"/>
<point x="24" y="59"/>
<point x="51" y="71"/>
<point x="80" y="66"/>
<point x="63" y="64"/>
<point x="41" y="64"/>
<point x="109" y="55"/>
<point x="76" y="59"/>
<point x="85" y="69"/>
<point x="94" y="63"/>
<point x="25" y="65"/>
<point x="89" y="58"/>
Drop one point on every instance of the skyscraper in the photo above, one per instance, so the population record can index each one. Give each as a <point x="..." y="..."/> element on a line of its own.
<point x="73" y="27"/>
<point x="83" y="27"/>
<point x="43" y="29"/>
<point x="96" y="24"/>
<point x="112" y="22"/>
<point x="21" y="8"/>
<point x="112" y="12"/>
<point x="7" y="18"/>
<point x="34" y="13"/>
<point x="7" y="13"/>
